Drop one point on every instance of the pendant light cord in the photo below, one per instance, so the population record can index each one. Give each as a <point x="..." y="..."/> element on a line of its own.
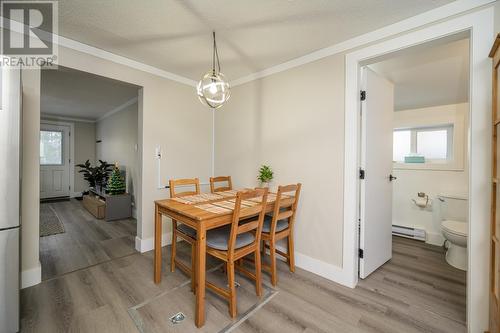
<point x="214" y="56"/>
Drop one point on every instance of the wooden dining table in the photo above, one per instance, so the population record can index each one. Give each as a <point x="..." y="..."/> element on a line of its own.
<point x="205" y="212"/>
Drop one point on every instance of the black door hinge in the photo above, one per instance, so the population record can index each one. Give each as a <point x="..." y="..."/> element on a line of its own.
<point x="360" y="253"/>
<point x="361" y="174"/>
<point x="363" y="95"/>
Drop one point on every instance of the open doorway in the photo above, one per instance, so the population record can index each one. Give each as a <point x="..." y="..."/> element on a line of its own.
<point x="89" y="169"/>
<point x="414" y="174"/>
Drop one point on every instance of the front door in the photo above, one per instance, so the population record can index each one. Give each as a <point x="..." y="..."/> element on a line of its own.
<point x="54" y="161"/>
<point x="377" y="108"/>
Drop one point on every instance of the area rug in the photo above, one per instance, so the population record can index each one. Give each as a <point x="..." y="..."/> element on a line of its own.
<point x="49" y="221"/>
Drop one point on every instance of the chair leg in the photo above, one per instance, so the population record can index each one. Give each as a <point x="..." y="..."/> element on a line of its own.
<point x="224" y="268"/>
<point x="193" y="268"/>
<point x="272" y="250"/>
<point x="291" y="253"/>
<point x="173" y="247"/>
<point x="258" y="276"/>
<point x="232" y="289"/>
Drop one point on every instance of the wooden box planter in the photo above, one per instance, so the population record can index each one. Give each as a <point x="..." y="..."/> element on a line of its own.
<point x="116" y="206"/>
<point x="95" y="206"/>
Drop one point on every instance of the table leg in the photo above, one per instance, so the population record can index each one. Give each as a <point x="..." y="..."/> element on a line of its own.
<point x="200" y="274"/>
<point x="157" y="255"/>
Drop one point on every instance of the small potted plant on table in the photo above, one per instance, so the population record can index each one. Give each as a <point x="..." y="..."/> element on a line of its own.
<point x="265" y="175"/>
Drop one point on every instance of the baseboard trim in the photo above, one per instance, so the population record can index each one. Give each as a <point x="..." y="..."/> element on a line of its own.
<point x="147" y="244"/>
<point x="31" y="277"/>
<point x="318" y="267"/>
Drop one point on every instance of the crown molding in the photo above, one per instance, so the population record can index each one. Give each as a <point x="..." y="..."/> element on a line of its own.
<point x="122" y="107"/>
<point x="106" y="55"/>
<point x="49" y="116"/>
<point x="434" y="15"/>
<point x="94" y="51"/>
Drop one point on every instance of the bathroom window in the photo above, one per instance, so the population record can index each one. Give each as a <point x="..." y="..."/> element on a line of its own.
<point x="435" y="144"/>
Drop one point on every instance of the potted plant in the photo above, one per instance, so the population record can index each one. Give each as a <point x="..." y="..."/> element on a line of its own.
<point x="97" y="175"/>
<point x="265" y="175"/>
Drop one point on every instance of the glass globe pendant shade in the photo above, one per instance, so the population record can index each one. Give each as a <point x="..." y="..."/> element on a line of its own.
<point x="213" y="89"/>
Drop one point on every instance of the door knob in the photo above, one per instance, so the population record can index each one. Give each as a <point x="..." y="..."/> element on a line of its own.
<point x="391" y="178"/>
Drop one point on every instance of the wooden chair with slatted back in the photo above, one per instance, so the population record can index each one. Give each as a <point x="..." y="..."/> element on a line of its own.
<point x="238" y="240"/>
<point x="181" y="230"/>
<point x="220" y="179"/>
<point x="279" y="226"/>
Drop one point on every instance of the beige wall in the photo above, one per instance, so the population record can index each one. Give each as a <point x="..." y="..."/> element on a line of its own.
<point x="30" y="197"/>
<point x="118" y="136"/>
<point x="497" y="17"/>
<point x="169" y="112"/>
<point x="84" y="150"/>
<point x="293" y="121"/>
<point x="171" y="117"/>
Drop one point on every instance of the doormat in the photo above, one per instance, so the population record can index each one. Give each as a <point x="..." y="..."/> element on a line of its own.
<point x="50" y="224"/>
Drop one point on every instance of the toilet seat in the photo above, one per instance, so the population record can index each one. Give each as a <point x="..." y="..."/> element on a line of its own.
<point x="455" y="227"/>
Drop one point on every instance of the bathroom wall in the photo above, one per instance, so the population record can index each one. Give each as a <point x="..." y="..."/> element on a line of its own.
<point x="452" y="179"/>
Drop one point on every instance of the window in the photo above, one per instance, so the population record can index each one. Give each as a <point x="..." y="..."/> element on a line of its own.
<point x="401" y="145"/>
<point x="435" y="144"/>
<point x="51" y="148"/>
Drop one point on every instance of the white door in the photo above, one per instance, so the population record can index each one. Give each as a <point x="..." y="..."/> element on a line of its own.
<point x="54" y="161"/>
<point x="377" y="110"/>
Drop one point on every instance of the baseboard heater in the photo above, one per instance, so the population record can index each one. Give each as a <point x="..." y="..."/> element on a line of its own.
<point x="409" y="232"/>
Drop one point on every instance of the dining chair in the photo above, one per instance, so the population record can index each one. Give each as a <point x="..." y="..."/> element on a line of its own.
<point x="280" y="225"/>
<point x="221" y="179"/>
<point x="235" y="241"/>
<point x="181" y="230"/>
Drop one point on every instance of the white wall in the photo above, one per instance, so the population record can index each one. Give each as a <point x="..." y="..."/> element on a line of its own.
<point x="118" y="136"/>
<point x="431" y="181"/>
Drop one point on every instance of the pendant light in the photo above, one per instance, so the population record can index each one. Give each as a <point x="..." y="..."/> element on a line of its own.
<point x="213" y="89"/>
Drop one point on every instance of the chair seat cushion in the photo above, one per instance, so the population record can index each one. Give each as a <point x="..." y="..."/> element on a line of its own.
<point x="186" y="230"/>
<point x="280" y="226"/>
<point x="218" y="238"/>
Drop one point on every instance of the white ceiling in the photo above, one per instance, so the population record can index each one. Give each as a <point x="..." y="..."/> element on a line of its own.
<point x="71" y="93"/>
<point x="175" y="35"/>
<point x="428" y="76"/>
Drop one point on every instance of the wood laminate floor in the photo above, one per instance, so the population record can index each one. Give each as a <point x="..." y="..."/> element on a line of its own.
<point x="86" y="242"/>
<point x="414" y="292"/>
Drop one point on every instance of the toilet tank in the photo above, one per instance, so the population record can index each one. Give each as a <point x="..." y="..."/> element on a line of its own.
<point x="453" y="207"/>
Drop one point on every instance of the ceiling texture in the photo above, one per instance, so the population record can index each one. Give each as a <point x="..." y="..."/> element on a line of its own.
<point x="70" y="93"/>
<point x="429" y="75"/>
<point x="252" y="35"/>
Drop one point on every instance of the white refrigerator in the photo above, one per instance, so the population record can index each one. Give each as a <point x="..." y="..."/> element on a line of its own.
<point x="10" y="198"/>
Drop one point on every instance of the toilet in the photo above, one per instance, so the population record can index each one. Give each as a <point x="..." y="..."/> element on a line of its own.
<point x="454" y="226"/>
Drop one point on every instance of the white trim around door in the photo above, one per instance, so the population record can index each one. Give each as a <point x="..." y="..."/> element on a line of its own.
<point x="479" y="24"/>
<point x="71" y="151"/>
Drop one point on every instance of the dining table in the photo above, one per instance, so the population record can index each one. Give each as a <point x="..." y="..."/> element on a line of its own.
<point x="202" y="212"/>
